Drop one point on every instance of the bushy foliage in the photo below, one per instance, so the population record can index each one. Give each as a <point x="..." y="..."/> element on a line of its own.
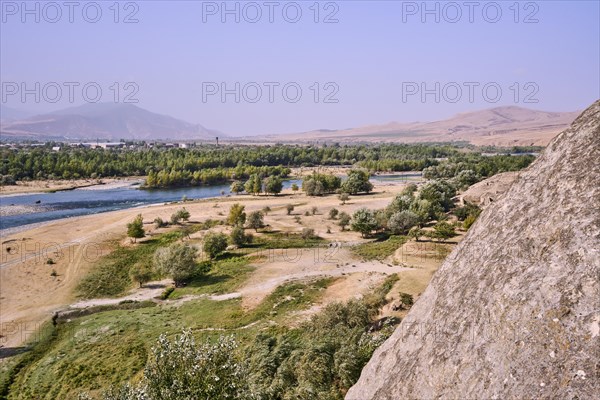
<point x="273" y="185"/>
<point x="333" y="213"/>
<point x="256" y="220"/>
<point x="402" y="221"/>
<point x="135" y="229"/>
<point x="236" y="187"/>
<point x="320" y="184"/>
<point x="363" y="221"/>
<point x="344" y="220"/>
<point x="238" y="236"/>
<point x="357" y="182"/>
<point x="214" y="244"/>
<point x="177" y="261"/>
<point x="237" y="215"/>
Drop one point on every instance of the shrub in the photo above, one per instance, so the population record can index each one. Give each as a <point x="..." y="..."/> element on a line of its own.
<point x="256" y="220"/>
<point x="401" y="222"/>
<point x="344" y="197"/>
<point x="364" y="221"/>
<point x="344" y="220"/>
<point x="238" y="236"/>
<point x="314" y="210"/>
<point x="236" y="216"/>
<point x="308" y="233"/>
<point x="406" y="299"/>
<point x="135" y="229"/>
<point x="140" y="273"/>
<point x="159" y="223"/>
<point x="50" y="261"/>
<point x="214" y="244"/>
<point x="289" y="208"/>
<point x="177" y="261"/>
<point x="333" y="213"/>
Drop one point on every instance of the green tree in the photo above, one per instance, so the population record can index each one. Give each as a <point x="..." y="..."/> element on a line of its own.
<point x="401" y="222"/>
<point x="443" y="230"/>
<point x="214" y="244"/>
<point x="237" y="215"/>
<point x="256" y="220"/>
<point x="140" y="273"/>
<point x="238" y="236"/>
<point x="363" y="221"/>
<point x="273" y="185"/>
<point x="344" y="197"/>
<point x="135" y="229"/>
<point x="357" y="182"/>
<point x="177" y="261"/>
<point x="295" y="187"/>
<point x="253" y="185"/>
<point x="344" y="220"/>
<point x="416" y="233"/>
<point x="333" y="213"/>
<point x="236" y="187"/>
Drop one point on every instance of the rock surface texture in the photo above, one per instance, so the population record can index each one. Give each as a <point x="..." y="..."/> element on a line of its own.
<point x="514" y="311"/>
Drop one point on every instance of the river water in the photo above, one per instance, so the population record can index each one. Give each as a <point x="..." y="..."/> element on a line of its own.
<point x="44" y="207"/>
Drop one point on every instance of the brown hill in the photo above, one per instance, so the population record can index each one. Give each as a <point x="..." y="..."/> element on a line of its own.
<point x="501" y="126"/>
<point x="108" y="121"/>
<point x="514" y="311"/>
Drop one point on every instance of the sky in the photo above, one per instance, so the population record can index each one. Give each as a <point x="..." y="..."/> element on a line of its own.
<point x="267" y="67"/>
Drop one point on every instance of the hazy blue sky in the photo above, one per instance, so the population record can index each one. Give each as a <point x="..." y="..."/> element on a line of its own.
<point x="372" y="54"/>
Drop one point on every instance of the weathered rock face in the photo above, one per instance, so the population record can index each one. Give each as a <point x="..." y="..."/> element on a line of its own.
<point x="514" y="312"/>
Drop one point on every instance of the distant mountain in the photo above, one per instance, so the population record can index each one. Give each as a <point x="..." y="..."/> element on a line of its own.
<point x="504" y="126"/>
<point x="11" y="114"/>
<point x="105" y="121"/>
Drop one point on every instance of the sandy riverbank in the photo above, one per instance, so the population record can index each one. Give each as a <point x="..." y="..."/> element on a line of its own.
<point x="29" y="294"/>
<point x="44" y="186"/>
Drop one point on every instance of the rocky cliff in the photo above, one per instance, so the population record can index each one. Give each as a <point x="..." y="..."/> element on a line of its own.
<point x="514" y="311"/>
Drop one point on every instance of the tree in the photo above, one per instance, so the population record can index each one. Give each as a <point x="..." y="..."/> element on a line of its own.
<point x="401" y="222"/>
<point x="313" y="187"/>
<point x="253" y="185"/>
<point x="135" y="229"/>
<point x="443" y="230"/>
<point x="295" y="187"/>
<point x="140" y="273"/>
<point x="236" y="187"/>
<point x="314" y="210"/>
<point x="236" y="216"/>
<point x="363" y="221"/>
<point x="238" y="236"/>
<point x="333" y="213"/>
<point x="214" y="244"/>
<point x="344" y="220"/>
<point x="273" y="185"/>
<point x="289" y="208"/>
<point x="177" y="261"/>
<point x="256" y="220"/>
<point x="438" y="193"/>
<point x="344" y="197"/>
<point x="416" y="233"/>
<point x="358" y="181"/>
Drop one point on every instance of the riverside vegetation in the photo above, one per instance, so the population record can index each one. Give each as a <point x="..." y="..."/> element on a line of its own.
<point x="126" y="352"/>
